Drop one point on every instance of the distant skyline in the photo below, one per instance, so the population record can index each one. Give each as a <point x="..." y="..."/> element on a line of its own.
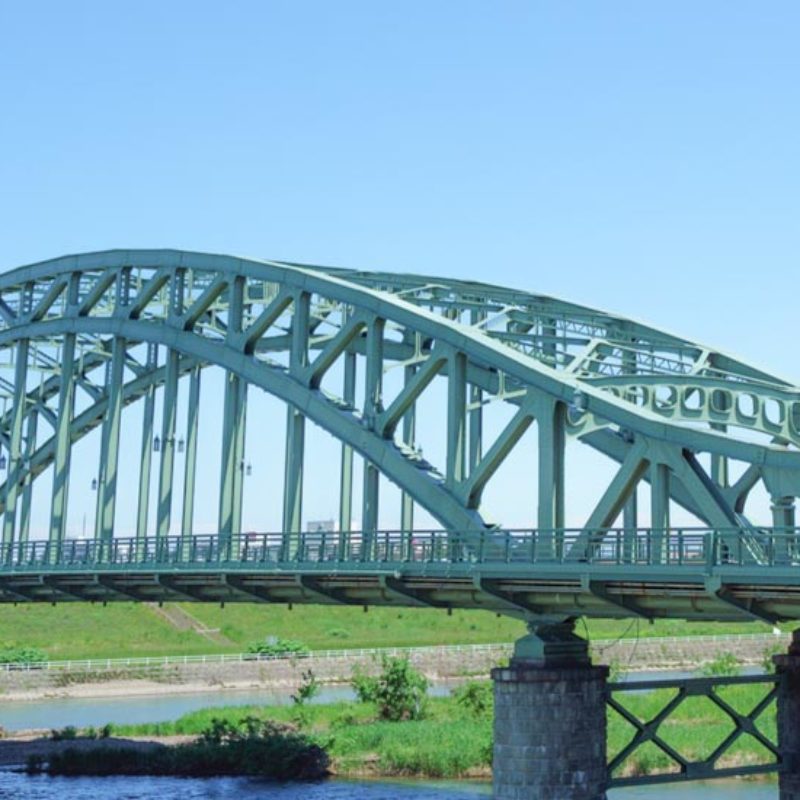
<point x="639" y="158"/>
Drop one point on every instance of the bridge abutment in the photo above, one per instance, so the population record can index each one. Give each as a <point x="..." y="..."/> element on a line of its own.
<point x="550" y="719"/>
<point x="787" y="665"/>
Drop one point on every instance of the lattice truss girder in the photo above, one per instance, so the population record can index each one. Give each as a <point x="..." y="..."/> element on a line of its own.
<point x="83" y="336"/>
<point x="722" y="760"/>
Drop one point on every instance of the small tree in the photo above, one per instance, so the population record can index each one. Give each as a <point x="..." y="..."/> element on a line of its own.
<point x="307" y="690"/>
<point x="475" y="697"/>
<point x="399" y="691"/>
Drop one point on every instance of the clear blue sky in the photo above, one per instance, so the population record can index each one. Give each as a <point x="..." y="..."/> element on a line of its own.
<point x="641" y="157"/>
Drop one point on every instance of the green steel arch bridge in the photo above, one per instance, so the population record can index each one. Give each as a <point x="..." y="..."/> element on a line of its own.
<point x="680" y="424"/>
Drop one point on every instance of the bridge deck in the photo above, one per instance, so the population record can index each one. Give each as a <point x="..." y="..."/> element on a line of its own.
<point x="701" y="574"/>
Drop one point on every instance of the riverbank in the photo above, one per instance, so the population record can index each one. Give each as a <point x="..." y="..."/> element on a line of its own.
<point x="16" y="750"/>
<point x="452" y="740"/>
<point x="178" y="675"/>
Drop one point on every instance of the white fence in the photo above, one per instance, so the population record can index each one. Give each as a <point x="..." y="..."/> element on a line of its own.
<point x="223" y="658"/>
<point x="409" y="652"/>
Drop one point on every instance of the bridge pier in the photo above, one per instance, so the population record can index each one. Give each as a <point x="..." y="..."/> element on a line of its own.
<point x="787" y="665"/>
<point x="550" y="719"/>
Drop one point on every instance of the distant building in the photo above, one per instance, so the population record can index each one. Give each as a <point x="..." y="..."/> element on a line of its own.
<point x="321" y="526"/>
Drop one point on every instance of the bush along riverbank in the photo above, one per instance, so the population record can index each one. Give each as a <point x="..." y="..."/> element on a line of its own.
<point x="394" y="730"/>
<point x="252" y="747"/>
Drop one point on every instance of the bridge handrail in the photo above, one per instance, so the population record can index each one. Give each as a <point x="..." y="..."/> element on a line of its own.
<point x="698" y="547"/>
<point x="364" y="652"/>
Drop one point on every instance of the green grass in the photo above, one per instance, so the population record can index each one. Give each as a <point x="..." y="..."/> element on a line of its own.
<point x="448" y="743"/>
<point x="81" y="630"/>
<point x="451" y="742"/>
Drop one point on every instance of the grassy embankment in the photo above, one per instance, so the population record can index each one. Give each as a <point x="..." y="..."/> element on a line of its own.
<point x="453" y="741"/>
<point x="119" y="630"/>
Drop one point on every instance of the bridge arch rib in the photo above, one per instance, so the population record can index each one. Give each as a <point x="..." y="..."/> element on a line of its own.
<point x="281" y="327"/>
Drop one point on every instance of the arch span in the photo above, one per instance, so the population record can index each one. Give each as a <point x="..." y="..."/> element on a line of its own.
<point x="107" y="329"/>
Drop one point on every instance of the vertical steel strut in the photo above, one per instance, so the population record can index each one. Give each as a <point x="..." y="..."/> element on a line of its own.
<point x="63" y="440"/>
<point x="659" y="488"/>
<point x="409" y="433"/>
<point x="346" y="477"/>
<point x="190" y="466"/>
<point x="143" y="504"/>
<point x="27" y="485"/>
<point x="15" y="444"/>
<point x="550" y="424"/>
<point x="295" y="422"/>
<point x="373" y="390"/>
<point x="233" y="425"/>
<point x="167" y="465"/>
<point x="109" y="445"/>
<point x="456" y="419"/>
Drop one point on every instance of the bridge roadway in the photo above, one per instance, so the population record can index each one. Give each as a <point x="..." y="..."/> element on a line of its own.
<point x="706" y="574"/>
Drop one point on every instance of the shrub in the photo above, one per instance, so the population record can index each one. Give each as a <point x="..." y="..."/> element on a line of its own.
<point x="255" y="747"/>
<point x="475" y="697"/>
<point x="275" y="646"/>
<point x="35" y="764"/>
<point x="766" y="656"/>
<point x="64" y="734"/>
<point x="399" y="691"/>
<point x="616" y="672"/>
<point x="10" y="654"/>
<point x="722" y="665"/>
<point x="365" y="687"/>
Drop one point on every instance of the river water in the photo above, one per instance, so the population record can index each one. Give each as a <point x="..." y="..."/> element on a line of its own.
<point x="14" y="786"/>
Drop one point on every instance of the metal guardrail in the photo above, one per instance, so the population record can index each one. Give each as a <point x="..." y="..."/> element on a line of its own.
<point x="228" y="658"/>
<point x="676" y="547"/>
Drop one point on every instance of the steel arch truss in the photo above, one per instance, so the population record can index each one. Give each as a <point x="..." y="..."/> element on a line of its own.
<point x="83" y="336"/>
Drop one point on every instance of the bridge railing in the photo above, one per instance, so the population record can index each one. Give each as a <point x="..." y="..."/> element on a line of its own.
<point x="616" y="546"/>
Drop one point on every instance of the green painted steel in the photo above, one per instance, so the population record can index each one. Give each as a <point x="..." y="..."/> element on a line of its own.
<point x="681" y="766"/>
<point x="27" y="485"/>
<point x="167" y="464"/>
<point x="346" y="472"/>
<point x="15" y="472"/>
<point x="190" y="467"/>
<point x="685" y="573"/>
<point x="295" y="419"/>
<point x="679" y="422"/>
<point x="63" y="441"/>
<point x="148" y="440"/>
<point x="109" y="448"/>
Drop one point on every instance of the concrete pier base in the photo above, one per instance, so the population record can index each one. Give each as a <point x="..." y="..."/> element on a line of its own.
<point x="550" y="720"/>
<point x="788" y="667"/>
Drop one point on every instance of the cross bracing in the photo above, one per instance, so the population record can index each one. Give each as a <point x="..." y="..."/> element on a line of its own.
<point x="83" y="337"/>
